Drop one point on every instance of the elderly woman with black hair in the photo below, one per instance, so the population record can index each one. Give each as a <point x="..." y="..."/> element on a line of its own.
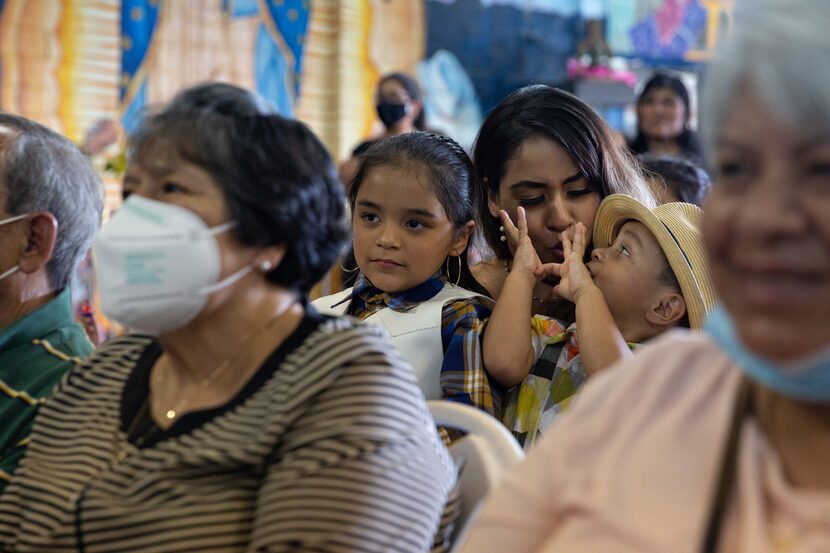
<point x="717" y="441"/>
<point x="237" y="419"/>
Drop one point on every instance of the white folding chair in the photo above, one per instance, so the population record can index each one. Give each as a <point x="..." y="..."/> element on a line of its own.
<point x="487" y="451"/>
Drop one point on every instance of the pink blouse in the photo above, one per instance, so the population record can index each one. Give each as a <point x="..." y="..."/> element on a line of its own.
<point x="633" y="465"/>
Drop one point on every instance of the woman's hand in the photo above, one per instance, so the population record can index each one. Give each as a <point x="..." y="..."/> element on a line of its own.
<point x="574" y="276"/>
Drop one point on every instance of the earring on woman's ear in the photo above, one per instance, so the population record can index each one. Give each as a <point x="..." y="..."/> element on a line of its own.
<point x="345" y="270"/>
<point x="266" y="266"/>
<point x="503" y="236"/>
<point x="458" y="277"/>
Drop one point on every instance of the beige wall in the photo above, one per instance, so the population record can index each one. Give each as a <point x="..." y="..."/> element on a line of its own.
<point x="350" y="44"/>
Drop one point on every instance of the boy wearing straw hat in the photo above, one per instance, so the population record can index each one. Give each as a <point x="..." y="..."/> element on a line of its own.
<point x="647" y="274"/>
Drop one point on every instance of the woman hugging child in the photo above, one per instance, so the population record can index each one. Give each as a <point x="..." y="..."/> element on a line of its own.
<point x="413" y="201"/>
<point x="646" y="275"/>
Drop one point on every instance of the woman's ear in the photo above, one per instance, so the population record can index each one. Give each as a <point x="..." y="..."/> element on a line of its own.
<point x="269" y="258"/>
<point x="462" y="238"/>
<point x="669" y="309"/>
<point x="492" y="200"/>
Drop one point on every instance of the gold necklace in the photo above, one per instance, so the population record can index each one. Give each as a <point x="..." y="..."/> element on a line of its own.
<point x="175" y="410"/>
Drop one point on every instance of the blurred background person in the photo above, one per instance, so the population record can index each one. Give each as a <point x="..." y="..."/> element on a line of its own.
<point x="674" y="179"/>
<point x="399" y="108"/>
<point x="663" y="113"/>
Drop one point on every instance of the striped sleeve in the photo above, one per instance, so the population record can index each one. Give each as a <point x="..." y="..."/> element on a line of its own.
<point x="364" y="471"/>
<point x="334" y="452"/>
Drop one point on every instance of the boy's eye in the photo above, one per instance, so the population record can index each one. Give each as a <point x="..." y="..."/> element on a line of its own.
<point x="624" y="251"/>
<point x="530" y="202"/>
<point x="414" y="224"/>
<point x="370" y="217"/>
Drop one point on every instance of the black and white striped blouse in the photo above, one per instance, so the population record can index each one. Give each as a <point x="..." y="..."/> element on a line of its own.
<point x="333" y="450"/>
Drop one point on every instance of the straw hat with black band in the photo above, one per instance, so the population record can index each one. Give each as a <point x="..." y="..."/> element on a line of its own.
<point x="676" y="225"/>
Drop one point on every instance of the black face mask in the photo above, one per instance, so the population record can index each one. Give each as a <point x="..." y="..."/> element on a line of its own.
<point x="390" y="113"/>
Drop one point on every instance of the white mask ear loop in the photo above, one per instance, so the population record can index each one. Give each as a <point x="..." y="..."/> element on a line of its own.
<point x="16" y="268"/>
<point x="219" y="229"/>
<point x="13" y="219"/>
<point x="213" y="231"/>
<point x="9" y="272"/>
<point x="225" y="282"/>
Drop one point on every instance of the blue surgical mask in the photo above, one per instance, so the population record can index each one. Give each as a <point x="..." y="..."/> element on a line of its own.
<point x="807" y="379"/>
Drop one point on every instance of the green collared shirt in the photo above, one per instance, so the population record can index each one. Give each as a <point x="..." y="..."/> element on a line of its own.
<point x="35" y="352"/>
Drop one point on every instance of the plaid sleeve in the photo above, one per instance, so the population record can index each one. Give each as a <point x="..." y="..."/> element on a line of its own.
<point x="463" y="377"/>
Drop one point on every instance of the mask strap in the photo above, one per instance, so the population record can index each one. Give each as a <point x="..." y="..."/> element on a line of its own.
<point x="201" y="234"/>
<point x="14" y="269"/>
<point x="224" y="283"/>
<point x="219" y="229"/>
<point x="13" y="219"/>
<point x="10" y="271"/>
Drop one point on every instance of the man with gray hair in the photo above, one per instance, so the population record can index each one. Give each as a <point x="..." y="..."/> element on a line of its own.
<point x="50" y="210"/>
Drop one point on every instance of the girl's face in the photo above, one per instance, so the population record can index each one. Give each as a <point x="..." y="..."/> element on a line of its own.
<point x="542" y="178"/>
<point x="661" y="114"/>
<point x="767" y="230"/>
<point x="402" y="234"/>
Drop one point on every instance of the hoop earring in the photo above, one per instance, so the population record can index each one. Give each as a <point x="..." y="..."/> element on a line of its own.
<point x="458" y="279"/>
<point x="344" y="269"/>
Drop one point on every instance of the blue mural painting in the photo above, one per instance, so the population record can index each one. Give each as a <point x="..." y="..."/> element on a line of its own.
<point x="276" y="59"/>
<point x="138" y="21"/>
<point x="279" y="51"/>
<point x="668" y="33"/>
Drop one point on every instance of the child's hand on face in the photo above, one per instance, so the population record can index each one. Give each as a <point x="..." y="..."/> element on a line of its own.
<point x="574" y="276"/>
<point x="525" y="258"/>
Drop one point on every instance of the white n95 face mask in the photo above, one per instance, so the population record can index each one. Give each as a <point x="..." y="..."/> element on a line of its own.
<point x="156" y="264"/>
